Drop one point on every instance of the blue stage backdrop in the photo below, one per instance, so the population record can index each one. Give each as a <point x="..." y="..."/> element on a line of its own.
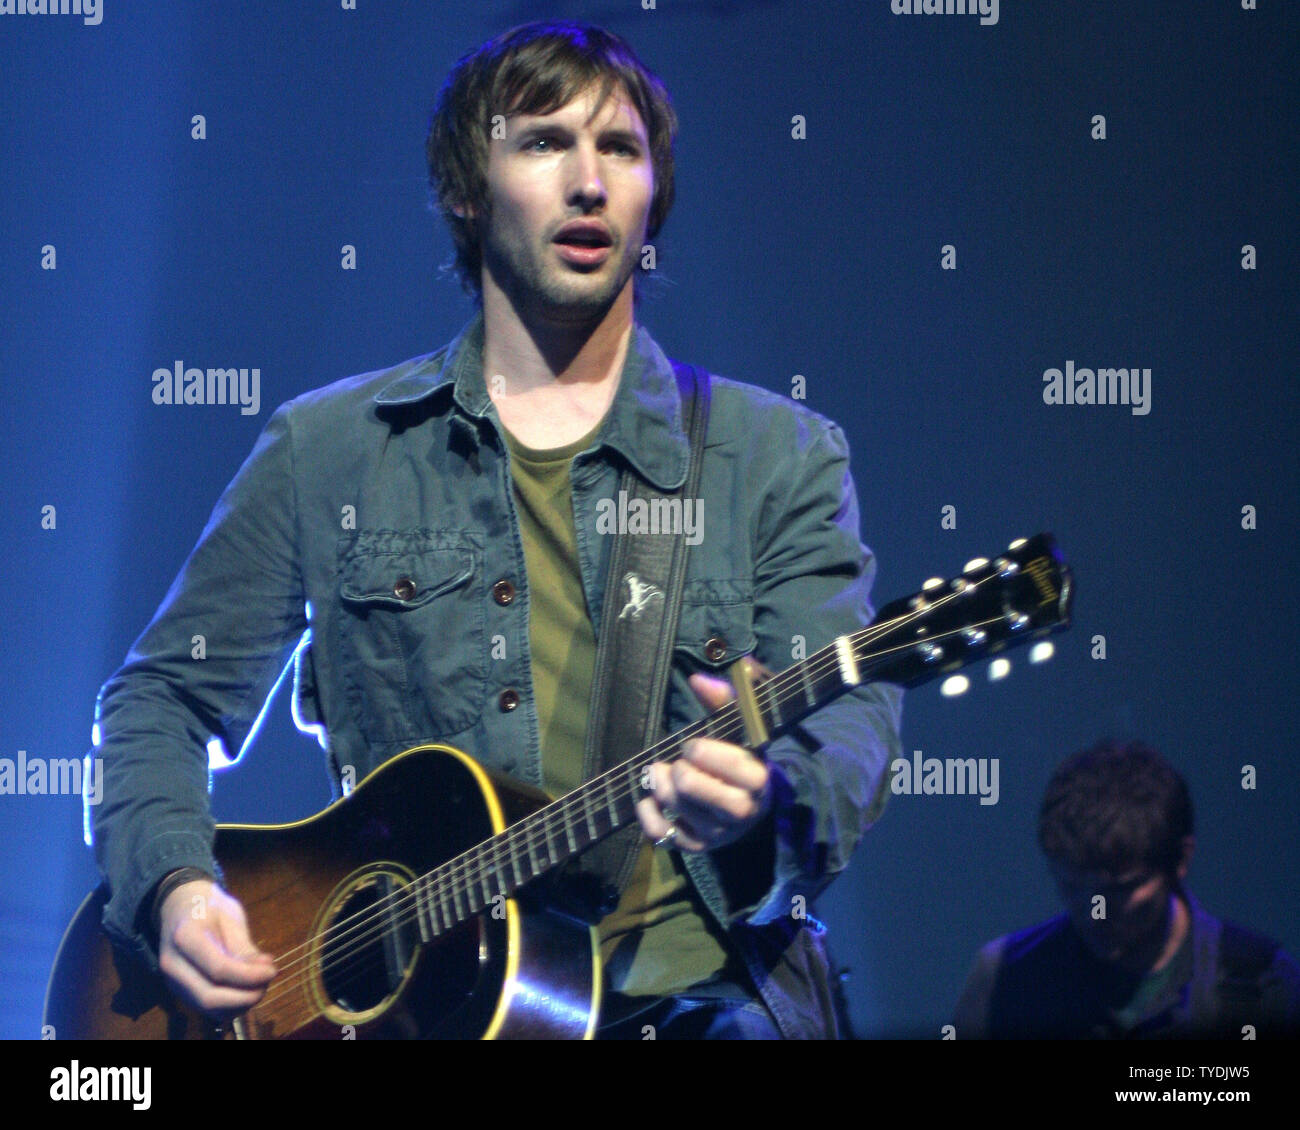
<point x="909" y="220"/>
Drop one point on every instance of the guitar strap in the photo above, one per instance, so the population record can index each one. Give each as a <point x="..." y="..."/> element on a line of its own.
<point x="637" y="633"/>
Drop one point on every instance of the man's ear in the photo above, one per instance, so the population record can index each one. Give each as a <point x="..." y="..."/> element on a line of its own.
<point x="1188" y="849"/>
<point x="462" y="211"/>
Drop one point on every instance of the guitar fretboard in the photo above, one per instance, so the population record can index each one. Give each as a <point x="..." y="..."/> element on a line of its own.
<point x="495" y="869"/>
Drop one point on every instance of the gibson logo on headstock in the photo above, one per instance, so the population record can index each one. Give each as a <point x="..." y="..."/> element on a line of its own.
<point x="1040" y="571"/>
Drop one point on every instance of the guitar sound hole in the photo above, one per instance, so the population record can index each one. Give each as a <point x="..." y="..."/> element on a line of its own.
<point x="366" y="951"/>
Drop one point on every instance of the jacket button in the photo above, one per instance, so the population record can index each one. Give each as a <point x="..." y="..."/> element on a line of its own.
<point x="503" y="592"/>
<point x="404" y="588"/>
<point x="716" y="649"/>
<point x="508" y="700"/>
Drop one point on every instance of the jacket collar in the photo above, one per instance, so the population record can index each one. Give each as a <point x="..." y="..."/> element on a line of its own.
<point x="644" y="422"/>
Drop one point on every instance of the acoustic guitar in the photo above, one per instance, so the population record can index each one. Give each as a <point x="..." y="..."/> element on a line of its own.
<point x="385" y="922"/>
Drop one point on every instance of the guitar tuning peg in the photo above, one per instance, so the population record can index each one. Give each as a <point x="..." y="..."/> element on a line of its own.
<point x="975" y="563"/>
<point x="999" y="669"/>
<point x="1017" y="544"/>
<point x="932" y="584"/>
<point x="1042" y="651"/>
<point x="954" y="685"/>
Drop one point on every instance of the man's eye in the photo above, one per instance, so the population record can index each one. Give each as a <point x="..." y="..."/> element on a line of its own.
<point x="541" y="144"/>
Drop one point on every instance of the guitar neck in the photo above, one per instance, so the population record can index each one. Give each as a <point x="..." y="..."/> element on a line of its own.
<point x="498" y="867"/>
<point x="1024" y="594"/>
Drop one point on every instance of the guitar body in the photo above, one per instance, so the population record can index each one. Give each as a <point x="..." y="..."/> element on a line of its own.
<point x="319" y="895"/>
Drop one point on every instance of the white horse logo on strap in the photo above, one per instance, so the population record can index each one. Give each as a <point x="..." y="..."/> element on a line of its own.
<point x="641" y="593"/>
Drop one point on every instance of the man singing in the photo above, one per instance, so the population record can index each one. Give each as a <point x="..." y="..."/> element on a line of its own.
<point x="427" y="538"/>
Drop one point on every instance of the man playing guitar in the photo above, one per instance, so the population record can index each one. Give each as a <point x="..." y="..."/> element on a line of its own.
<point x="457" y="605"/>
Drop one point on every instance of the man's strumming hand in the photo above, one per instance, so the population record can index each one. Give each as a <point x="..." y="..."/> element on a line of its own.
<point x="205" y="952"/>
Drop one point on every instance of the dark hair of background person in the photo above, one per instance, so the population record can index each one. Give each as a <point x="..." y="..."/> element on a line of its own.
<point x="1113" y="807"/>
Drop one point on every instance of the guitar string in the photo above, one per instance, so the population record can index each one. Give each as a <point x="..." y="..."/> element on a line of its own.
<point x="381" y="916"/>
<point x="537" y="830"/>
<point x="540" y="822"/>
<point x="728" y="714"/>
<point x="376" y="915"/>
<point x="349" y="956"/>
<point x="379" y="912"/>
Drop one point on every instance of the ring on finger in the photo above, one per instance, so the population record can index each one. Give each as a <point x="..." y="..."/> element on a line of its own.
<point x="668" y="838"/>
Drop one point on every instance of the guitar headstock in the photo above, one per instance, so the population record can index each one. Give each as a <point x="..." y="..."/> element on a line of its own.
<point x="1023" y="594"/>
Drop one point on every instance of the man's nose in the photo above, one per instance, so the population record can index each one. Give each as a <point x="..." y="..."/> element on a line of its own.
<point x="586" y="185"/>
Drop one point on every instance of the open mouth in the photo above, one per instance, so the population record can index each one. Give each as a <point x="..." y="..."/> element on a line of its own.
<point x="584" y="243"/>
<point x="584" y="233"/>
<point x="583" y="239"/>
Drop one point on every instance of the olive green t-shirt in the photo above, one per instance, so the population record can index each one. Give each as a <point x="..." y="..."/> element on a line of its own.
<point x="658" y="941"/>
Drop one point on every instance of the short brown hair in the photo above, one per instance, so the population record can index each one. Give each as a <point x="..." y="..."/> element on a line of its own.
<point x="1116" y="806"/>
<point x="534" y="69"/>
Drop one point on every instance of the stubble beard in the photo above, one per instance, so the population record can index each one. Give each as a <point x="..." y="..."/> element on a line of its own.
<point x="539" y="284"/>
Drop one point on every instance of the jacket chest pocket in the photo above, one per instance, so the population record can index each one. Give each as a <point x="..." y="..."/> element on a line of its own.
<point x="412" y="644"/>
<point x="716" y="629"/>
